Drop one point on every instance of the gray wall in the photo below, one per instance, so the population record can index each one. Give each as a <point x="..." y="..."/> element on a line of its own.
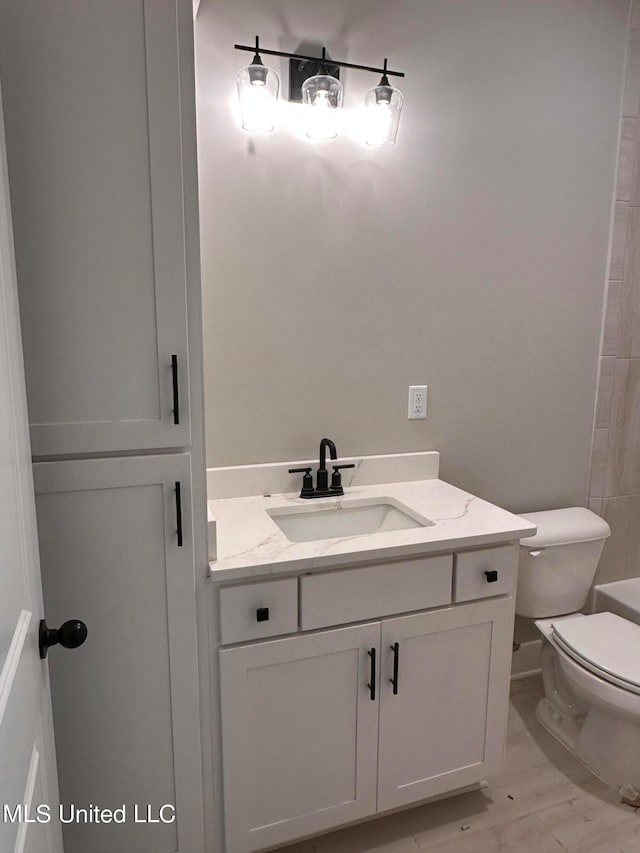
<point x="470" y="257"/>
<point x="614" y="488"/>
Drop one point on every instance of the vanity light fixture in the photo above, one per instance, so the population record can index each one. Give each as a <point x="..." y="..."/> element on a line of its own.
<point x="315" y="81"/>
<point x="258" y="93"/>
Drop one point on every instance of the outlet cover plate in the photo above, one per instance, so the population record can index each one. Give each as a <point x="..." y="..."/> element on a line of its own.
<point x="417" y="402"/>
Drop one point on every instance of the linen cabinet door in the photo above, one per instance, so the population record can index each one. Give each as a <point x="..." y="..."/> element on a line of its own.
<point x="126" y="703"/>
<point x="299" y="735"/>
<point x="443" y="720"/>
<point x="92" y="112"/>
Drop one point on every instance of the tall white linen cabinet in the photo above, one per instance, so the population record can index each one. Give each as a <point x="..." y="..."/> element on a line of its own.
<point x="100" y="122"/>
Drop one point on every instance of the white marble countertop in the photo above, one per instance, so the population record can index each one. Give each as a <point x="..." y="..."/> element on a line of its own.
<point x="250" y="544"/>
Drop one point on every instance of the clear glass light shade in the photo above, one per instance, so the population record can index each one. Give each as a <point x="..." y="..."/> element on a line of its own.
<point x="322" y="96"/>
<point x="383" y="107"/>
<point x="258" y="93"/>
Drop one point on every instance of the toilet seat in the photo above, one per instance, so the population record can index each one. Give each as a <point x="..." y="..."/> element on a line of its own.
<point x="605" y="644"/>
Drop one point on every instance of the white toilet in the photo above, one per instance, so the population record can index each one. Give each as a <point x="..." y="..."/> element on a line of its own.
<point x="590" y="664"/>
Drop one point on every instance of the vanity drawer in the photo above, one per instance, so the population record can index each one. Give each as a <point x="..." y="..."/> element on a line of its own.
<point x="335" y="598"/>
<point x="256" y="610"/>
<point x="484" y="573"/>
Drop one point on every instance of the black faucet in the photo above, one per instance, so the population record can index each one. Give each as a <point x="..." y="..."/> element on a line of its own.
<point x="322" y="476"/>
<point x="322" y="489"/>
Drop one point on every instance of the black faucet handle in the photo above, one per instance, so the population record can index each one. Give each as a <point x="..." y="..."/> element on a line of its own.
<point x="307" y="490"/>
<point x="336" y="479"/>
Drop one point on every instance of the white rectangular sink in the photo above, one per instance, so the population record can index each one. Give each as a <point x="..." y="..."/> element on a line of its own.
<point x="357" y="518"/>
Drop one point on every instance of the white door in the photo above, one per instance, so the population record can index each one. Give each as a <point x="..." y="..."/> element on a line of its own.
<point x="299" y="735"/>
<point x="444" y="725"/>
<point x="27" y="761"/>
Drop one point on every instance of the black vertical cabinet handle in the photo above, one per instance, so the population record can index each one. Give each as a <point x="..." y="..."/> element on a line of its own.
<point x="176" y="396"/>
<point x="395" y="648"/>
<point x="179" y="514"/>
<point x="372" y="681"/>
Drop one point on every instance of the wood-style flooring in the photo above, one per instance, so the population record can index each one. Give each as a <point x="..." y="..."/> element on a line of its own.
<point x="544" y="801"/>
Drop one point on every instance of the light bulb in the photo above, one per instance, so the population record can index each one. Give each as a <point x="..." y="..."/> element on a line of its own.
<point x="256" y="104"/>
<point x="379" y="121"/>
<point x="322" y="123"/>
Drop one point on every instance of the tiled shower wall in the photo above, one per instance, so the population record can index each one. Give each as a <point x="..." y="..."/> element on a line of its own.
<point x="614" y="490"/>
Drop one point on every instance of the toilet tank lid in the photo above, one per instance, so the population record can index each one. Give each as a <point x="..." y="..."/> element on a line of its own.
<point x="564" y="526"/>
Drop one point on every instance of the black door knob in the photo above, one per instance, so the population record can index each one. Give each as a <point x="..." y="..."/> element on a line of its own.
<point x="70" y="635"/>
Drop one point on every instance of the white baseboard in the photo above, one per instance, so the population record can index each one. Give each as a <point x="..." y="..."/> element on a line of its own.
<point x="526" y="659"/>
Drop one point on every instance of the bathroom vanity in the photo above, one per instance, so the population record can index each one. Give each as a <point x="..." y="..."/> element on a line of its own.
<point x="358" y="673"/>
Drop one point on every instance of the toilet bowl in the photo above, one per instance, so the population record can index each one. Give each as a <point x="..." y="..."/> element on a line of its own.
<point x="590" y="663"/>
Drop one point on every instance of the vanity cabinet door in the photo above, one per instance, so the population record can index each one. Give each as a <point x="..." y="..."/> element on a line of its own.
<point x="299" y="734"/>
<point x="126" y="703"/>
<point x="444" y="728"/>
<point x="91" y="96"/>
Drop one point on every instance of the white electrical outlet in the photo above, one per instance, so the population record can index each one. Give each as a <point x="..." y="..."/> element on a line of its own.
<point x="417" y="401"/>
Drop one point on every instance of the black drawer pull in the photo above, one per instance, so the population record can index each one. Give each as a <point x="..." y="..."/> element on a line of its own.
<point x="176" y="397"/>
<point x="372" y="681"/>
<point x="395" y="648"/>
<point x="262" y="614"/>
<point x="492" y="577"/>
<point x="179" y="514"/>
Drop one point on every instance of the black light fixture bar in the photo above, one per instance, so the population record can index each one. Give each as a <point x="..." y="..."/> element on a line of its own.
<point x="318" y="59"/>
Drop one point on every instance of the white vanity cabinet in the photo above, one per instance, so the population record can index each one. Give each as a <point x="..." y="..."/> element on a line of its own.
<point x="330" y="726"/>
<point x="445" y="726"/>
<point x="299" y="735"/>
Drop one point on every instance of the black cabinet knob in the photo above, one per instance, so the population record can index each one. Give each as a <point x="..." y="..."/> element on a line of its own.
<point x="492" y="577"/>
<point x="71" y="634"/>
<point x="262" y="614"/>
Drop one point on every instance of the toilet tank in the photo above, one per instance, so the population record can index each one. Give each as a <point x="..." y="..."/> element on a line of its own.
<point x="557" y="565"/>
